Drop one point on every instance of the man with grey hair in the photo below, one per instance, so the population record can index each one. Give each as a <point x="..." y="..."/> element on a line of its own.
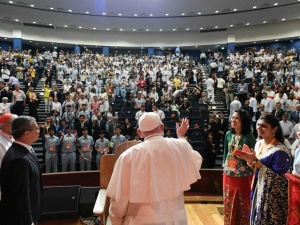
<point x="21" y="182"/>
<point x="149" y="178"/>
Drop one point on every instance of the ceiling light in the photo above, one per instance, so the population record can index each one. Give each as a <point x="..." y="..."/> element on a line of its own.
<point x="187" y="28"/>
<point x="33" y="22"/>
<point x="50" y="24"/>
<point x="276" y="40"/>
<point x="43" y="47"/>
<point x="216" y="27"/>
<point x="30" y="41"/>
<point x="276" y="3"/>
<point x="70" y="10"/>
<point x="5" y="38"/>
<point x="51" y="8"/>
<point x="231" y="25"/>
<point x="264" y="21"/>
<point x="217" y="45"/>
<point x="201" y="28"/>
<point x="196" y="46"/>
<point x="87" y="12"/>
<point x="134" y="29"/>
<point x="160" y="29"/>
<point x="254" y="42"/>
<point x="135" y="14"/>
<point x="167" y="14"/>
<point x="32" y="5"/>
<point x="283" y="19"/>
<point x="80" y="27"/>
<point x="94" y="28"/>
<point x="183" y="14"/>
<point x="121" y="29"/>
<point x="66" y="25"/>
<point x="247" y="24"/>
<point x="234" y="10"/>
<point x="16" y="20"/>
<point x="217" y="11"/>
<point x="199" y="13"/>
<point x="107" y="29"/>
<point x="10" y="2"/>
<point x="147" y="29"/>
<point x="120" y="14"/>
<point x="174" y="29"/>
<point x="103" y="13"/>
<point x="254" y="7"/>
<point x="52" y="43"/>
<point x="151" y="14"/>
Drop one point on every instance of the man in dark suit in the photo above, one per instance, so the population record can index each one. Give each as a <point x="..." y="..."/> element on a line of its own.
<point x="294" y="116"/>
<point x="248" y="108"/>
<point x="278" y="111"/>
<point x="21" y="182"/>
<point x="222" y="125"/>
<point x="82" y="123"/>
<point x="56" y="93"/>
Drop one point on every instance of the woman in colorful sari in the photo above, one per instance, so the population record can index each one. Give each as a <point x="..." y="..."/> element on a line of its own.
<point x="271" y="160"/>
<point x="237" y="174"/>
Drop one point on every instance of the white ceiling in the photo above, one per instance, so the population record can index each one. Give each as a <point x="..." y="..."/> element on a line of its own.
<point x="149" y="15"/>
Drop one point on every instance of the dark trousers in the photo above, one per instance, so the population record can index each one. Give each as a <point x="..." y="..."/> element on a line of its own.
<point x="33" y="106"/>
<point x="19" y="108"/>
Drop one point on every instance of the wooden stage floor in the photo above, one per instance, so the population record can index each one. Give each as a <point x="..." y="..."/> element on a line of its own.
<point x="197" y="213"/>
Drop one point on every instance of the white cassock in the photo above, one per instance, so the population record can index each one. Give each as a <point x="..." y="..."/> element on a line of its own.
<point x="148" y="182"/>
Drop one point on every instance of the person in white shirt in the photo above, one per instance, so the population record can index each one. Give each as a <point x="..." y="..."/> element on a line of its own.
<point x="220" y="87"/>
<point x="287" y="126"/>
<point x="154" y="95"/>
<point x="152" y="192"/>
<point x="210" y="88"/>
<point x="234" y="105"/>
<point x="267" y="102"/>
<point x="159" y="112"/>
<point x="5" y="106"/>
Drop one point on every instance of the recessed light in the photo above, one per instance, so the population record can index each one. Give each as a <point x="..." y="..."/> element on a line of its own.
<point x="121" y="29"/>
<point x="107" y="29"/>
<point x="51" y="8"/>
<point x="33" y="22"/>
<point x="218" y="45"/>
<point x="151" y="14"/>
<point x="66" y="26"/>
<point x="187" y="28"/>
<point x="43" y="47"/>
<point x="217" y="11"/>
<point x="234" y="10"/>
<point x="201" y="28"/>
<point x="264" y="21"/>
<point x="87" y="12"/>
<point x="276" y="40"/>
<point x="147" y="29"/>
<point x="103" y="13"/>
<point x="16" y="20"/>
<point x="167" y="14"/>
<point x="276" y="3"/>
<point x="135" y="14"/>
<point x="182" y="14"/>
<point x="254" y="42"/>
<point x="94" y="28"/>
<point x="216" y="27"/>
<point x="5" y="38"/>
<point x="32" y="5"/>
<point x="120" y="14"/>
<point x="199" y="13"/>
<point x="70" y="10"/>
<point x="50" y="24"/>
<point x="254" y="7"/>
<point x="231" y="25"/>
<point x="160" y="29"/>
<point x="80" y="27"/>
<point x="10" y="2"/>
<point x="174" y="29"/>
<point x="134" y="29"/>
<point x="30" y="41"/>
<point x="52" y="43"/>
<point x="196" y="46"/>
<point x="283" y="19"/>
<point x="247" y="24"/>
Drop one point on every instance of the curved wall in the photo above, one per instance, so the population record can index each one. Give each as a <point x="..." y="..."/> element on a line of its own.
<point x="264" y="32"/>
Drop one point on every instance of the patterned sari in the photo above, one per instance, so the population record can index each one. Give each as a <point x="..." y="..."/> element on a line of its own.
<point x="269" y="197"/>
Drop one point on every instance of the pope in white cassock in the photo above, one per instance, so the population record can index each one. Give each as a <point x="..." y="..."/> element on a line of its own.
<point x="149" y="179"/>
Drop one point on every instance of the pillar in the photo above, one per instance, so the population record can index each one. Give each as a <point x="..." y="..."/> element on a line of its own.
<point x="150" y="51"/>
<point x="17" y="39"/>
<point x="231" y="43"/>
<point x="77" y="49"/>
<point x="177" y="51"/>
<point x="105" y="50"/>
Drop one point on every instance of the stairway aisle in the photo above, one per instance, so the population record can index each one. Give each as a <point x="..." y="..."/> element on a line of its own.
<point x="38" y="145"/>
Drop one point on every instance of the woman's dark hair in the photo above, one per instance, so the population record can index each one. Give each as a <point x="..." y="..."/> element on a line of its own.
<point x="245" y="121"/>
<point x="274" y="122"/>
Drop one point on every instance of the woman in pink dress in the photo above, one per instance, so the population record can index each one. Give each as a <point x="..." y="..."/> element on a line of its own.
<point x="95" y="105"/>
